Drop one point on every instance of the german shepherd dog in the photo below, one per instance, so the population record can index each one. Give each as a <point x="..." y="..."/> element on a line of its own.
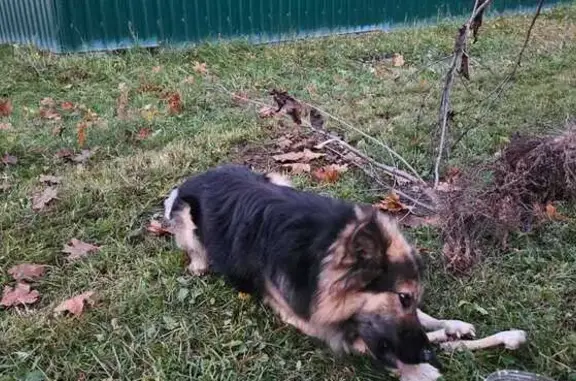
<point x="337" y="271"/>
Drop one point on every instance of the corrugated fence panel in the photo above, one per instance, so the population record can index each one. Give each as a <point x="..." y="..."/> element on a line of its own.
<point x="93" y="25"/>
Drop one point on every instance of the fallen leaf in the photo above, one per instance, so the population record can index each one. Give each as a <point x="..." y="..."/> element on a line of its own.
<point x="391" y="203"/>
<point x="143" y="133"/>
<point x="174" y="103"/>
<point x="5" y="107"/>
<point x="81" y="130"/>
<point x="57" y="131"/>
<point x="397" y="60"/>
<point x="266" y="112"/>
<point x="283" y="142"/>
<point x="157" y="69"/>
<point x="200" y="68"/>
<point x="78" y="249"/>
<point x="5" y="126"/>
<point x="75" y="305"/>
<point x="298" y="168"/>
<point x="83" y="156"/>
<point x="67" y="106"/>
<point x="553" y="214"/>
<point x="9" y="159"/>
<point x="50" y="114"/>
<point x="20" y="294"/>
<point x="64" y="153"/>
<point x="49" y="179"/>
<point x="122" y="102"/>
<point x="189" y="80"/>
<point x="240" y="98"/>
<point x="27" y="271"/>
<point x="156" y="227"/>
<point x="288" y="105"/>
<point x="330" y="173"/>
<point x="302" y="156"/>
<point x="47" y="102"/>
<point x="41" y="199"/>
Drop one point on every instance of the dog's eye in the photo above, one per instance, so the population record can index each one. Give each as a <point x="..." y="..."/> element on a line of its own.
<point x="405" y="299"/>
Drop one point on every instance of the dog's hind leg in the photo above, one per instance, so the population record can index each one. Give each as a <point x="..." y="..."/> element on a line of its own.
<point x="187" y="240"/>
<point x="452" y="328"/>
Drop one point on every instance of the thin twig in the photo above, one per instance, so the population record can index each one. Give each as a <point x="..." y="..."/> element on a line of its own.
<point x="383" y="184"/>
<point x="498" y="90"/>
<point x="369" y="137"/>
<point x="459" y="50"/>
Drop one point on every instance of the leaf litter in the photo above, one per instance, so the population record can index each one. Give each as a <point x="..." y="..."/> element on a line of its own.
<point x="41" y="199"/>
<point x="77" y="249"/>
<point x="27" y="271"/>
<point x="19" y="295"/>
<point x="6" y="107"/>
<point x="76" y="304"/>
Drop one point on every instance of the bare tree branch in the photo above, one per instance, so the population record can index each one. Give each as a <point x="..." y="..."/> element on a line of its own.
<point x="459" y="50"/>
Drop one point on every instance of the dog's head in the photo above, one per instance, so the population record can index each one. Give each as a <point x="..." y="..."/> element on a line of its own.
<point x="372" y="278"/>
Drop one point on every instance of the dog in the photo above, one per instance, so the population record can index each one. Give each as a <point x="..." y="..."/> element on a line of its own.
<point x="337" y="271"/>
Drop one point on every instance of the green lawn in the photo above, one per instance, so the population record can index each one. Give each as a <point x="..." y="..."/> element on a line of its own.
<point x="152" y="321"/>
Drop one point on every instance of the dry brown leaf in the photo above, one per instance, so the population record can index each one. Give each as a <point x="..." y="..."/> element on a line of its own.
<point x="27" y="271"/>
<point x="41" y="199"/>
<point x="5" y="107"/>
<point x="78" y="249"/>
<point x="122" y="102"/>
<point x="391" y="203"/>
<point x="303" y="156"/>
<point x="283" y="142"/>
<point x="47" y="102"/>
<point x="143" y="133"/>
<point x="5" y="126"/>
<point x="200" y="68"/>
<point x="288" y="105"/>
<point x="298" y="168"/>
<point x="156" y="227"/>
<point x="75" y="305"/>
<point x="174" y="103"/>
<point x="266" y="112"/>
<point x="9" y="159"/>
<point x="50" y="114"/>
<point x="83" y="156"/>
<point x="157" y="69"/>
<point x="81" y="129"/>
<point x="398" y="60"/>
<point x="329" y="173"/>
<point x="49" y="179"/>
<point x="67" y="106"/>
<point x="553" y="214"/>
<point x="20" y="294"/>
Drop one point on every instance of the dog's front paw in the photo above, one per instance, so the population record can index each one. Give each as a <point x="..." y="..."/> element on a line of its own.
<point x="419" y="372"/>
<point x="459" y="329"/>
<point x="512" y="339"/>
<point x="197" y="268"/>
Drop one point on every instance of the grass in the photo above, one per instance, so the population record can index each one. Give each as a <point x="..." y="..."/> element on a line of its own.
<point x="152" y="321"/>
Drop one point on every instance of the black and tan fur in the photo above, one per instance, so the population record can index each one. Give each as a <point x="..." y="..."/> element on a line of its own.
<point x="337" y="271"/>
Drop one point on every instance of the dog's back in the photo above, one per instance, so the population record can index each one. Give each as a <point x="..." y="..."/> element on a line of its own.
<point x="255" y="230"/>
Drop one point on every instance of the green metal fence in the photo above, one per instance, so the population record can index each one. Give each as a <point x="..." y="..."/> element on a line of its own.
<point x="92" y="25"/>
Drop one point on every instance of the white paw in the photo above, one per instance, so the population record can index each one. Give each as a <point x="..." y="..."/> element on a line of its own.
<point x="458" y="329"/>
<point x="197" y="267"/>
<point x="419" y="372"/>
<point x="512" y="339"/>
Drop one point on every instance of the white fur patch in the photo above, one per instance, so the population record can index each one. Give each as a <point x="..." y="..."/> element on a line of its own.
<point x="169" y="204"/>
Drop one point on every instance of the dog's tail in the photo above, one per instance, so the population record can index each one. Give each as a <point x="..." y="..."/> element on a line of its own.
<point x="169" y="203"/>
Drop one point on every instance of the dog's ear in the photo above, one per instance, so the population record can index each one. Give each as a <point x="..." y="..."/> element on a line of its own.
<point x="367" y="243"/>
